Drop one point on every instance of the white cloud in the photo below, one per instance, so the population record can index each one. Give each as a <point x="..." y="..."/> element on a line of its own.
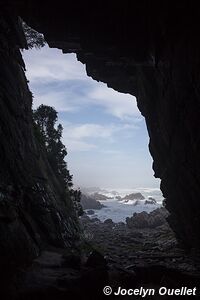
<point x="120" y="105"/>
<point x="85" y="137"/>
<point x="114" y="152"/>
<point x="90" y="130"/>
<point x="78" y="145"/>
<point x="79" y="137"/>
<point x="57" y="99"/>
<point x="52" y="65"/>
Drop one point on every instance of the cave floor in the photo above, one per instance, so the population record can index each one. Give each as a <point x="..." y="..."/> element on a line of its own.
<point x="120" y="257"/>
<point x="128" y="248"/>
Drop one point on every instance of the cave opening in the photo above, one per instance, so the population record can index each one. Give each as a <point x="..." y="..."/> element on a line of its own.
<point x="107" y="143"/>
<point x="35" y="221"/>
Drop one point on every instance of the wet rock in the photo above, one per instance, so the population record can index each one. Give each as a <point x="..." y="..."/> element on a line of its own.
<point x="109" y="222"/>
<point x="150" y="200"/>
<point x="148" y="220"/>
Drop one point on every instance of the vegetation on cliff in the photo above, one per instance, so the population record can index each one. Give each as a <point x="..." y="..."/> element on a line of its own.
<point x="49" y="137"/>
<point x="34" y="39"/>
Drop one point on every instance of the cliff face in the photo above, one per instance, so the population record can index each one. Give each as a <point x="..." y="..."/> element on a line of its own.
<point x="146" y="48"/>
<point x="34" y="211"/>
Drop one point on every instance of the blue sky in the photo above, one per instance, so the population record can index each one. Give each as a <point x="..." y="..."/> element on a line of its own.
<point x="104" y="132"/>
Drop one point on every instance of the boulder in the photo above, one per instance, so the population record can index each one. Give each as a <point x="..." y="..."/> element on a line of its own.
<point x="144" y="220"/>
<point x="150" y="200"/>
<point x="134" y="196"/>
<point x="108" y="221"/>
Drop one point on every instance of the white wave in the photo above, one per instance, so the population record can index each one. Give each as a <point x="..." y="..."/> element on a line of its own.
<point x="118" y="211"/>
<point x="145" y="191"/>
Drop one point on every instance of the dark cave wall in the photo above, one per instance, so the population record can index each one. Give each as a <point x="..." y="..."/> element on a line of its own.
<point x="149" y="49"/>
<point x="34" y="210"/>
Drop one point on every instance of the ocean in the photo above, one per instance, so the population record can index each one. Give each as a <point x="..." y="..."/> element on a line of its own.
<point x="118" y="211"/>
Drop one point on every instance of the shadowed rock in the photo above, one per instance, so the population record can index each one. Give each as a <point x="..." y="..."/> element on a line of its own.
<point x="148" y="220"/>
<point x="89" y="202"/>
<point x="100" y="197"/>
<point x="134" y="196"/>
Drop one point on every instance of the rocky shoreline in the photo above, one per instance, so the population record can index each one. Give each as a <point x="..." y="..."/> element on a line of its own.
<point x="146" y="239"/>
